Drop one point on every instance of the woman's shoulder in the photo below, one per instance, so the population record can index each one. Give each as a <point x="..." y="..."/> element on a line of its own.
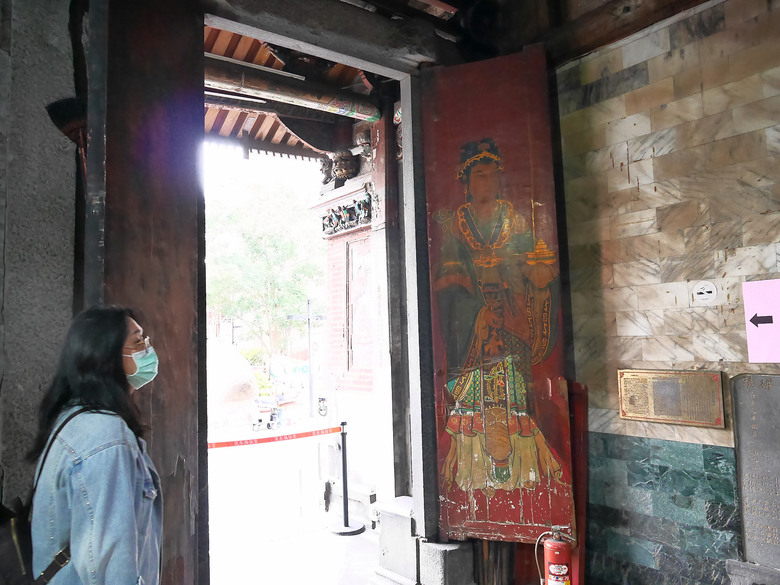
<point x="91" y="430"/>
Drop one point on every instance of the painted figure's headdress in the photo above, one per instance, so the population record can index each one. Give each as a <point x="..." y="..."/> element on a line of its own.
<point x="473" y="153"/>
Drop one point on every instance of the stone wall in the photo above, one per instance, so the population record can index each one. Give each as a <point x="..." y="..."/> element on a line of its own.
<point x="37" y="185"/>
<point x="671" y="156"/>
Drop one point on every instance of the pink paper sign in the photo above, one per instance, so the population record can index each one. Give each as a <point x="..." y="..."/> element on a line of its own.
<point x="762" y="320"/>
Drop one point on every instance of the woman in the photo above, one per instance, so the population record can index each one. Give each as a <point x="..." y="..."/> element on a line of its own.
<point x="493" y="286"/>
<point x="98" y="489"/>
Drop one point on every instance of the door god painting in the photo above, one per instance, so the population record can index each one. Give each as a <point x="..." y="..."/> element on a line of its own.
<point x="504" y="451"/>
<point x="494" y="289"/>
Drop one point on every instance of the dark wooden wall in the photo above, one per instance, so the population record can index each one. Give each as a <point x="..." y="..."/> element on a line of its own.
<point x="154" y="243"/>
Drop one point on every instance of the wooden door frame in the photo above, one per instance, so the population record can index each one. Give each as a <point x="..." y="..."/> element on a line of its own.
<point x="360" y="39"/>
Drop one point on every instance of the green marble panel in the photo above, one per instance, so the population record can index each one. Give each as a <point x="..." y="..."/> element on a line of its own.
<point x="632" y="550"/>
<point x="682" y="509"/>
<point x="681" y="481"/>
<point x="716" y="544"/>
<point x="719" y="460"/>
<point x="678" y="455"/>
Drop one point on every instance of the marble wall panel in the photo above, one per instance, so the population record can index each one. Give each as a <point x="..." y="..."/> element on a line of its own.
<point x="669" y="295"/>
<point x="587" y="232"/>
<point x="694" y="266"/>
<point x="633" y="224"/>
<point x="630" y="174"/>
<point x="628" y="127"/>
<point x="734" y="94"/>
<point x="771" y="81"/>
<point x="773" y="139"/>
<point x="567" y="77"/>
<point x="715" y="72"/>
<point x="687" y="83"/>
<point x="587" y="140"/>
<point x="717" y="346"/>
<point x="696" y="238"/>
<point x="600" y="65"/>
<point x="683" y="215"/>
<point x="705" y="320"/>
<point x="678" y="321"/>
<point x="736" y="149"/>
<point x="746" y="261"/>
<point x="726" y="234"/>
<point x="761" y="229"/>
<point x="591" y="278"/>
<point x="681" y="163"/>
<point x="595" y="115"/>
<point x="755" y="59"/>
<point x="758" y="115"/>
<point x="667" y="348"/>
<point x="705" y="130"/>
<point x="621" y="298"/>
<point x="713" y="190"/>
<point x="604" y="88"/>
<point x="644" y="271"/>
<point x="660" y="245"/>
<point x="621" y="351"/>
<point x="613" y="251"/>
<point x="652" y="145"/>
<point x="651" y="96"/>
<point x="698" y="26"/>
<point x="646" y="47"/>
<point x="639" y="324"/>
<point x="657" y="194"/>
<point x="676" y="112"/>
<point x="737" y="12"/>
<point x="616" y="202"/>
<point x="665" y="66"/>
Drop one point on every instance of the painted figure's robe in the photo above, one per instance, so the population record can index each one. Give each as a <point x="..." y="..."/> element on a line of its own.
<point x="494" y="298"/>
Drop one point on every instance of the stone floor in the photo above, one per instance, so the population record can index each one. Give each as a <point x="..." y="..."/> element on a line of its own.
<point x="267" y="522"/>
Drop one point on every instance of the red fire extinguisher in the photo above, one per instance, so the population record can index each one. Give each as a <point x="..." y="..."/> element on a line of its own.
<point x="557" y="559"/>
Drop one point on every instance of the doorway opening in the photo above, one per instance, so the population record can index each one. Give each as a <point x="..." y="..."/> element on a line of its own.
<point x="297" y="302"/>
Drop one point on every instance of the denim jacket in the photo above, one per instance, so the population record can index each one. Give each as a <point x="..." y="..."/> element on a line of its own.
<point x="98" y="490"/>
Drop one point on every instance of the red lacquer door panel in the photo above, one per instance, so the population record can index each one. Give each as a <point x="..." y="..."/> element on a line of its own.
<point x="502" y="423"/>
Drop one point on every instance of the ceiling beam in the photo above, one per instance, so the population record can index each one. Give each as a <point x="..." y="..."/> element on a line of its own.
<point x="234" y="78"/>
<point x="248" y="144"/>
<point x="331" y="30"/>
<point x="235" y="102"/>
<point x="610" y="22"/>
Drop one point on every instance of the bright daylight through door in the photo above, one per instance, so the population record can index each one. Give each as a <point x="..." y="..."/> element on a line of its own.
<point x="272" y="413"/>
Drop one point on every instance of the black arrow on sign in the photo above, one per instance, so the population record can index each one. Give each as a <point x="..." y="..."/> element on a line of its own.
<point x="764" y="320"/>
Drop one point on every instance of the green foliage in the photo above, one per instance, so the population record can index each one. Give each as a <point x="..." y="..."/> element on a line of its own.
<point x="264" y="251"/>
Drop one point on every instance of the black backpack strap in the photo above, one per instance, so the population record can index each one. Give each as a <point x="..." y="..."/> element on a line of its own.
<point x="62" y="558"/>
<point x="51" y="442"/>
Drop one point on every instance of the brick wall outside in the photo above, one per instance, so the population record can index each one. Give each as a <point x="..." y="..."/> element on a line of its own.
<point x="342" y="375"/>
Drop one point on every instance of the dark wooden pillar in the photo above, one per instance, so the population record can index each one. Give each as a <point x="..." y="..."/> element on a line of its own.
<point x="154" y="244"/>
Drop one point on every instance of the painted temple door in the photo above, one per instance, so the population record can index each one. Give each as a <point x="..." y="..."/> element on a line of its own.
<point x="504" y="448"/>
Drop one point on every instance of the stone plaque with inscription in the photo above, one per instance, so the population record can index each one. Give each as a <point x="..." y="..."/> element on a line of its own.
<point x="668" y="396"/>
<point x="756" y="408"/>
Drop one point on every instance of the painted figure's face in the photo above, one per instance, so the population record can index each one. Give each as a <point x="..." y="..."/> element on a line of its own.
<point x="484" y="181"/>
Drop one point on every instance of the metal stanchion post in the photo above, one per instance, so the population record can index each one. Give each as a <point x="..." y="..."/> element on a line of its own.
<point x="346" y="529"/>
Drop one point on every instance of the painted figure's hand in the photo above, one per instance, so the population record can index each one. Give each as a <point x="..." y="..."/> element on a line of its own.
<point x="492" y="319"/>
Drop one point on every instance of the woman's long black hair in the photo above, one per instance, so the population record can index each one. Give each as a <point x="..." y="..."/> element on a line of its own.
<point x="90" y="372"/>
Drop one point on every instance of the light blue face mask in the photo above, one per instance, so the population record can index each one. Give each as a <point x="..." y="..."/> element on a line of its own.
<point x="146" y="363"/>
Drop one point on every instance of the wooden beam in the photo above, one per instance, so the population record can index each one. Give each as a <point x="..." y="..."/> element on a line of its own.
<point x="612" y="21"/>
<point x="225" y="101"/>
<point x="331" y="30"/>
<point x="249" y="144"/>
<point x="225" y="76"/>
